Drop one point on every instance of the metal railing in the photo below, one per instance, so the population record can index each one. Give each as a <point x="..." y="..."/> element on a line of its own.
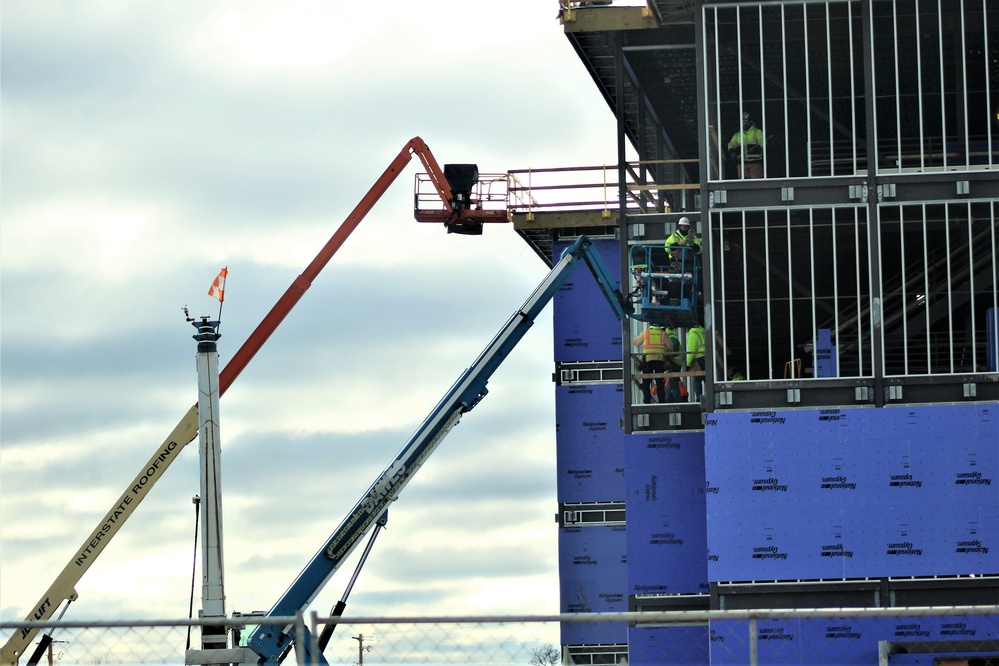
<point x="820" y="78"/>
<point x="782" y="276"/>
<point x="651" y="186"/>
<point x="820" y="636"/>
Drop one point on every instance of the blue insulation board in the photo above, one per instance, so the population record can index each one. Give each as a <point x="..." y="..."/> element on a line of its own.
<point x="848" y="493"/>
<point x="668" y="645"/>
<point x="846" y="640"/>
<point x="666" y="508"/>
<point x="590" y="443"/>
<point x="592" y="576"/>
<point x="585" y="328"/>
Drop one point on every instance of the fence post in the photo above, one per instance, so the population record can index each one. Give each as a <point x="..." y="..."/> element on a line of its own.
<point x="314" y="638"/>
<point x="300" y="638"/>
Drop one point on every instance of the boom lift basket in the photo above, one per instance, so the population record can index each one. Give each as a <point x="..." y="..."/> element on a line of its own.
<point x="475" y="199"/>
<point x="668" y="284"/>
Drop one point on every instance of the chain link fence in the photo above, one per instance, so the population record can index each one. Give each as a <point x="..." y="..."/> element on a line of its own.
<point x="884" y="636"/>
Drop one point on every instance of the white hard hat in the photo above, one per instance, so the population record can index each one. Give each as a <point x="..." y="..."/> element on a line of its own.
<point x="683" y="221"/>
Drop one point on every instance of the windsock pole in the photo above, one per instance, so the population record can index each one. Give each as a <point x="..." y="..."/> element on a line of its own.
<point x="209" y="447"/>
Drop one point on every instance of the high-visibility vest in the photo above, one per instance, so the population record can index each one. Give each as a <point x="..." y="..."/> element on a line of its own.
<point x="654" y="342"/>
<point x="750" y="142"/>
<point x="695" y="344"/>
<point x="693" y="242"/>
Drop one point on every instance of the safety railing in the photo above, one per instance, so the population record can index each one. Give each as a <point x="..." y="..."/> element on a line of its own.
<point x="668" y="280"/>
<point x="783" y="279"/>
<point x="652" y="186"/>
<point x="488" y="194"/>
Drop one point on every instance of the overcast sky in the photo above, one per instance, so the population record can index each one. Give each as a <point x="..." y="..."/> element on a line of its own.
<point x="147" y="144"/>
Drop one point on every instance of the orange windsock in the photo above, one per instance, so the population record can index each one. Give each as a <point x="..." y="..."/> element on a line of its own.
<point x="218" y="286"/>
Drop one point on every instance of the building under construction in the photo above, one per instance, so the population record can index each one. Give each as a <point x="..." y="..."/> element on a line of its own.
<point x="839" y="162"/>
<point x="793" y="400"/>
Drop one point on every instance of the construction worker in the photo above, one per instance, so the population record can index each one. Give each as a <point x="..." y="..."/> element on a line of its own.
<point x="674" y="362"/>
<point x="695" y="360"/>
<point x="675" y="244"/>
<point x="683" y="238"/>
<point x="654" y="345"/>
<point x="746" y="149"/>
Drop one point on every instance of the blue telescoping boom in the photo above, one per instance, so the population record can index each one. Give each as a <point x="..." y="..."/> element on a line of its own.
<point x="272" y="642"/>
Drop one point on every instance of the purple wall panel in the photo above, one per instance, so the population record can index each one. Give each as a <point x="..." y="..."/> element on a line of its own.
<point x="845" y="640"/>
<point x="667" y="535"/>
<point x="899" y="491"/>
<point x="590" y="443"/>
<point x="668" y="646"/>
<point x="592" y="578"/>
<point x="585" y="328"/>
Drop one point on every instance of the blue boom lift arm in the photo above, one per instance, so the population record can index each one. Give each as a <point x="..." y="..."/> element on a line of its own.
<point x="272" y="642"/>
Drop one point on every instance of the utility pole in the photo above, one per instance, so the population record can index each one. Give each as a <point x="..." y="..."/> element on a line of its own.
<point x="51" y="662"/>
<point x="361" y="648"/>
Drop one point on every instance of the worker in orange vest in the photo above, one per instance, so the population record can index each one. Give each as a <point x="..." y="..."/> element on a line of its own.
<point x="654" y="344"/>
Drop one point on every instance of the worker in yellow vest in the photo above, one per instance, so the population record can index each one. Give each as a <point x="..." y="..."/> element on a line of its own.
<point x="681" y="238"/>
<point x="683" y="247"/>
<point x="746" y="149"/>
<point x="695" y="360"/>
<point x="654" y="344"/>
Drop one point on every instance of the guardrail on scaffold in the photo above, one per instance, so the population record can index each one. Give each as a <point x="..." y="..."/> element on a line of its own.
<point x="561" y="189"/>
<point x="531" y="191"/>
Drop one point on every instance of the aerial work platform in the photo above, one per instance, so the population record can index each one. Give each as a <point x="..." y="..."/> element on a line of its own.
<point x="667" y="283"/>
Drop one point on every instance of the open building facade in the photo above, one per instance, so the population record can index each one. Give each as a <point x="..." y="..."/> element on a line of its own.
<point x="844" y="448"/>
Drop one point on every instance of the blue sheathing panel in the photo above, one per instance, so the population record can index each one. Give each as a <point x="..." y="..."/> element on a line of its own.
<point x="590" y="443"/>
<point x="848" y="493"/>
<point x="846" y="640"/>
<point x="666" y="508"/>
<point x="585" y="328"/>
<point x="592" y="576"/>
<point x="825" y="354"/>
<point x="668" y="645"/>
